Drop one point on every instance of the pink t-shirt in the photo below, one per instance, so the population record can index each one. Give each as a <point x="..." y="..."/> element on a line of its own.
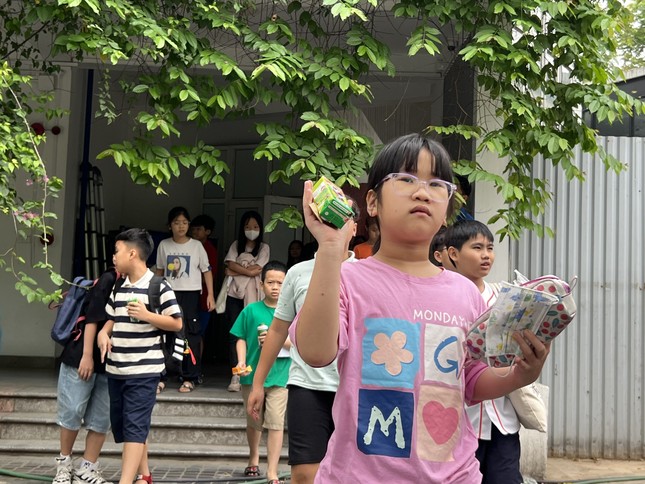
<point x="399" y="410"/>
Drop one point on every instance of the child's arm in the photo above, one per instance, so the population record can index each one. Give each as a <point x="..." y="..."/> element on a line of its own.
<point x="276" y="335"/>
<point x="241" y="270"/>
<point x="317" y="327"/>
<point x="210" y="299"/>
<point x="497" y="382"/>
<point x="86" y="366"/>
<point x="240" y="348"/>
<point x="104" y="339"/>
<point x="287" y="344"/>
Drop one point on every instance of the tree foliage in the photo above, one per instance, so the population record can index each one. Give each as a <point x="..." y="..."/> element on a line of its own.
<point x="538" y="63"/>
<point x="631" y="38"/>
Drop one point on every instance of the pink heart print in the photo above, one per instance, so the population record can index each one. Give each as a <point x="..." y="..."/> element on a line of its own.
<point x="441" y="422"/>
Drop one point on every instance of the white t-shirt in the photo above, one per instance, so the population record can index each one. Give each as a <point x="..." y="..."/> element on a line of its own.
<point x="292" y="297"/>
<point x="500" y="411"/>
<point x="183" y="264"/>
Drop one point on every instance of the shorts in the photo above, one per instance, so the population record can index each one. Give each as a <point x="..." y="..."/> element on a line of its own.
<point x="310" y="424"/>
<point x="273" y="411"/>
<point x="83" y="402"/>
<point x="131" y="404"/>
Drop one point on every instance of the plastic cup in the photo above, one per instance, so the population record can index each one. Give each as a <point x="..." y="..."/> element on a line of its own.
<point x="131" y="300"/>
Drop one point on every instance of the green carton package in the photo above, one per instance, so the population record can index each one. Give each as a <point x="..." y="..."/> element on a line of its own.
<point x="330" y="204"/>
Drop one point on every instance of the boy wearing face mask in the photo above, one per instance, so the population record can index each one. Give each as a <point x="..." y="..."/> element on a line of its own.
<point x="244" y="262"/>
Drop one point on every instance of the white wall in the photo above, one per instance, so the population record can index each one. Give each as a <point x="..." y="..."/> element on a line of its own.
<point x="25" y="327"/>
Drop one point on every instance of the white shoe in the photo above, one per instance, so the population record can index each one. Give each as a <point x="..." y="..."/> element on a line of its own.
<point x="89" y="475"/>
<point x="63" y="470"/>
<point x="235" y="384"/>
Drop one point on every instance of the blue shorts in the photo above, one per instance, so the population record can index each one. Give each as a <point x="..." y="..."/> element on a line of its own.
<point x="83" y="402"/>
<point x="131" y="404"/>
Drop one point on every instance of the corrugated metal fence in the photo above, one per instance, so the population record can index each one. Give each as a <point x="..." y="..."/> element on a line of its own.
<point x="596" y="370"/>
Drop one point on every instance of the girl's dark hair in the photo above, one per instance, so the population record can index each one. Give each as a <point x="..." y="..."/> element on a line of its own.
<point x="241" y="238"/>
<point x="140" y="239"/>
<point x="272" y="265"/>
<point x="176" y="212"/>
<point x="402" y="155"/>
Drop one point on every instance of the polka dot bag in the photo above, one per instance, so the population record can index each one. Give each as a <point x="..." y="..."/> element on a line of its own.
<point x="557" y="318"/>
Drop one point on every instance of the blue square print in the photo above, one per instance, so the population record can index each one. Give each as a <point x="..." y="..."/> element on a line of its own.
<point x="391" y="349"/>
<point x="385" y="420"/>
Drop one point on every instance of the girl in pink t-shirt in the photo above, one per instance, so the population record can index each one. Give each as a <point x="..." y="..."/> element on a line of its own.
<point x="397" y="324"/>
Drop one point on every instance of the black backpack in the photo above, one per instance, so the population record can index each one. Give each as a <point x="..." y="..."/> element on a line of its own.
<point x="173" y="343"/>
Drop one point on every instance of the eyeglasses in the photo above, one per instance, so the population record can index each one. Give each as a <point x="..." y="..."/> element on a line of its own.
<point x="407" y="184"/>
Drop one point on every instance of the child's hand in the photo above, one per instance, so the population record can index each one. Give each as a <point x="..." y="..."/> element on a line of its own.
<point x="242" y="369"/>
<point x="262" y="338"/>
<point x="255" y="402"/>
<point x="528" y="368"/>
<point x="138" y="310"/>
<point x="210" y="303"/>
<point x="104" y="343"/>
<point x="324" y="234"/>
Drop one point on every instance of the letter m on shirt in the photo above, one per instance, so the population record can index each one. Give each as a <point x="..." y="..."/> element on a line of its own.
<point x="385" y="422"/>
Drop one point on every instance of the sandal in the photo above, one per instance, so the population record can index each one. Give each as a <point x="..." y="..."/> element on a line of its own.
<point x="161" y="386"/>
<point x="252" y="471"/>
<point x="187" y="387"/>
<point x="275" y="481"/>
<point x="141" y="477"/>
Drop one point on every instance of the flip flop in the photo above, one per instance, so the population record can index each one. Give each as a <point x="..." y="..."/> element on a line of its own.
<point x="187" y="387"/>
<point x="252" y="471"/>
<point x="161" y="386"/>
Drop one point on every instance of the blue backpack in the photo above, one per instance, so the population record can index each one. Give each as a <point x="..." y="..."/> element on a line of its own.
<point x="70" y="311"/>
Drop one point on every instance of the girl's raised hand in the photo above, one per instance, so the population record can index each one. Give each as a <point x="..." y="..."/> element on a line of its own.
<point x="324" y="234"/>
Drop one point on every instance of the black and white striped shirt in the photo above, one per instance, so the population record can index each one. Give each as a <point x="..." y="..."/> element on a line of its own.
<point x="136" y="346"/>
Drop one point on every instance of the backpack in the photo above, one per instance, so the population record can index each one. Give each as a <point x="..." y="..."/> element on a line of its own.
<point x="173" y="343"/>
<point x="71" y="310"/>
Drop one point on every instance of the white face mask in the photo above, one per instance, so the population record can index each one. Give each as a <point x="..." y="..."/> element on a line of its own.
<point x="252" y="234"/>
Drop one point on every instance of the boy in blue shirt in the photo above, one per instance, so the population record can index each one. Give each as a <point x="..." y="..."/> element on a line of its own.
<point x="131" y="340"/>
<point x="248" y="346"/>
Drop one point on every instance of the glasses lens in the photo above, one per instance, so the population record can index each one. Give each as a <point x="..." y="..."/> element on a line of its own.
<point x="406" y="184"/>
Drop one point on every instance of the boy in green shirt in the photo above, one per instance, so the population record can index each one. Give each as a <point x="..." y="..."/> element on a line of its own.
<point x="251" y="328"/>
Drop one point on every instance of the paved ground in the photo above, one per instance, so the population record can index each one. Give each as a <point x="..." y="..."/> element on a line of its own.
<point x="165" y="471"/>
<point x="185" y="472"/>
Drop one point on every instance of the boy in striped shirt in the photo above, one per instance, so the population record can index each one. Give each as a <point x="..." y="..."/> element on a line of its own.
<point x="131" y="342"/>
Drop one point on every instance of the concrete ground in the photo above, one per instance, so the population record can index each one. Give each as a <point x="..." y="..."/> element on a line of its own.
<point x="185" y="472"/>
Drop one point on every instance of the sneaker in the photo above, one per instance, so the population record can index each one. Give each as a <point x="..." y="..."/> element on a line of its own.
<point x="235" y="384"/>
<point x="89" y="475"/>
<point x="63" y="470"/>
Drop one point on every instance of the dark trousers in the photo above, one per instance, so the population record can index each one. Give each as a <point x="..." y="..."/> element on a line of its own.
<point x="499" y="458"/>
<point x="189" y="302"/>
<point x="234" y="307"/>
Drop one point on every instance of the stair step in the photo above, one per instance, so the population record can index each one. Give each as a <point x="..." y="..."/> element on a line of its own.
<point x="164" y="429"/>
<point x="229" y="453"/>
<point x="214" y="404"/>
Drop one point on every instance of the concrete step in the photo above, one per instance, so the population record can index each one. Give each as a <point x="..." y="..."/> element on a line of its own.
<point x="164" y="429"/>
<point x="211" y="403"/>
<point x="48" y="449"/>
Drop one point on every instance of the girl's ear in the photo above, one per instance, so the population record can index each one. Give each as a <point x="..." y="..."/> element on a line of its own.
<point x="371" y="201"/>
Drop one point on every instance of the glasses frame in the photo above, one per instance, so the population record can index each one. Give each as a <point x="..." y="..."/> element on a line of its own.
<point x="452" y="188"/>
